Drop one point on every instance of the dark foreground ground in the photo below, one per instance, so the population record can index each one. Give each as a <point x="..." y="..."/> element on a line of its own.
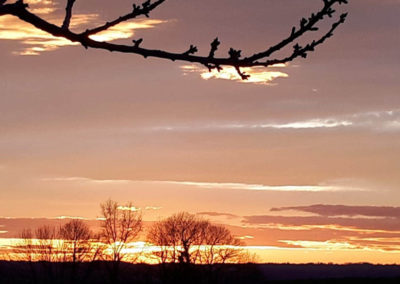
<point x="101" y="272"/>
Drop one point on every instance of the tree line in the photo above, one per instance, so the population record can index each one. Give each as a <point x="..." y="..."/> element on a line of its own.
<point x="177" y="243"/>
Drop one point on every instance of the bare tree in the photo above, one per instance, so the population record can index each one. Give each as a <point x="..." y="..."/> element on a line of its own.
<point x="185" y="238"/>
<point x="262" y="58"/>
<point x="40" y="245"/>
<point x="51" y="252"/>
<point x="78" y="244"/>
<point x="175" y="236"/>
<point x="222" y="246"/>
<point x="76" y="237"/>
<point x="25" y="249"/>
<point x="120" y="226"/>
<point x="46" y="247"/>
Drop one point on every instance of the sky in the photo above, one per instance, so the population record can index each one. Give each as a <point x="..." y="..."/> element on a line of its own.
<point x="301" y="161"/>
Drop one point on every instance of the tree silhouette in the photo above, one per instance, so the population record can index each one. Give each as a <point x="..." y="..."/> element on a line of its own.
<point x="176" y="236"/>
<point x="234" y="58"/>
<point x="222" y="247"/>
<point x="187" y="239"/>
<point x="76" y="237"/>
<point x="51" y="252"/>
<point x="120" y="226"/>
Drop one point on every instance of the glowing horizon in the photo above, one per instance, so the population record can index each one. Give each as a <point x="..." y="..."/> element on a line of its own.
<point x="300" y="161"/>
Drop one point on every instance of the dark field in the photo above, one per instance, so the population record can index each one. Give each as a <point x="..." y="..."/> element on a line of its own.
<point x="99" y="272"/>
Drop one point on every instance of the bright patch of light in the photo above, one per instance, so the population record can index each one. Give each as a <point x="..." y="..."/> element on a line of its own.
<point x="71" y="217"/>
<point x="327" y="245"/>
<point x="257" y="187"/>
<point x="257" y="75"/>
<point x="125" y="208"/>
<point x="124" y="30"/>
<point x="315" y="123"/>
<point x="41" y="7"/>
<point x="245" y="237"/>
<point x="36" y="41"/>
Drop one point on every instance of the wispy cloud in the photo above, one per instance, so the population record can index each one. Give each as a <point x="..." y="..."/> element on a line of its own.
<point x="34" y="40"/>
<point x="370" y="225"/>
<point x="312" y="123"/>
<point x="152" y="208"/>
<point x="71" y="217"/>
<point x="218" y="214"/>
<point x="258" y="187"/>
<point x="41" y="7"/>
<point x="210" y="185"/>
<point x="87" y="180"/>
<point x="377" y="121"/>
<point x="327" y="245"/>
<point x="245" y="237"/>
<point x="345" y="210"/>
<point x="257" y="75"/>
<point x="126" y="208"/>
<point x="134" y="209"/>
<point x="125" y="30"/>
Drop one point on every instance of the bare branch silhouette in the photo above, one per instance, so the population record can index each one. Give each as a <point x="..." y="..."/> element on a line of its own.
<point x="187" y="239"/>
<point x="234" y="58"/>
<point x="120" y="226"/>
<point x="68" y="14"/>
<point x="76" y="240"/>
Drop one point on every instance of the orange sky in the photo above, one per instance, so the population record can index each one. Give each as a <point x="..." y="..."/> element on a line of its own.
<point x="79" y="126"/>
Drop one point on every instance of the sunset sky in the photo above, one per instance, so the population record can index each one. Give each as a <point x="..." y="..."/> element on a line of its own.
<point x="302" y="160"/>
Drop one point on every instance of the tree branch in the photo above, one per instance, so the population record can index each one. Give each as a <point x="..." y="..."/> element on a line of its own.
<point x="144" y="9"/>
<point x="234" y="59"/>
<point x="68" y="14"/>
<point x="306" y="25"/>
<point x="299" y="51"/>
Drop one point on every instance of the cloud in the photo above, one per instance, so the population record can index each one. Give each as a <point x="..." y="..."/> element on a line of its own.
<point x="245" y="237"/>
<point x="125" y="30"/>
<point x="217" y="214"/>
<point x="211" y="185"/>
<point x="257" y="75"/>
<point x="41" y="7"/>
<point x="388" y="120"/>
<point x="260" y="187"/>
<point x="326" y="245"/>
<point x="331" y="223"/>
<point x="345" y="210"/>
<point x="86" y="180"/>
<point x="134" y="209"/>
<point x="126" y="208"/>
<point x="71" y="217"/>
<point x="376" y="121"/>
<point x="312" y="123"/>
<point x="152" y="208"/>
<point x="35" y="41"/>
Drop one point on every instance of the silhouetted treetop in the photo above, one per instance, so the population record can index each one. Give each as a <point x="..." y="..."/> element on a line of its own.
<point x="186" y="239"/>
<point x="234" y="58"/>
